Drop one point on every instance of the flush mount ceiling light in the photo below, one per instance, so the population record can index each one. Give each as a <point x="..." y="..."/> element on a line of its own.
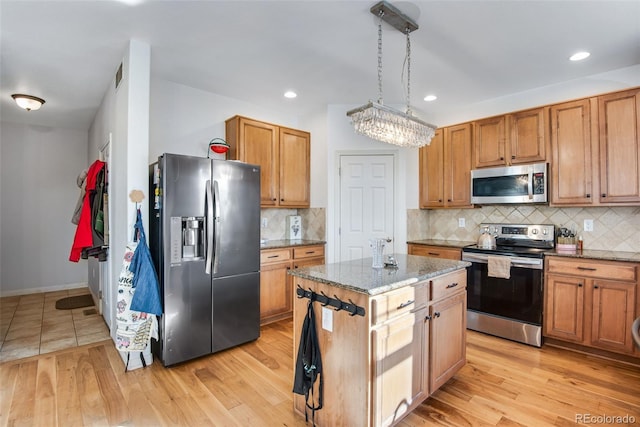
<point x="28" y="102"/>
<point x="579" y="56"/>
<point x="290" y="94"/>
<point x="386" y="124"/>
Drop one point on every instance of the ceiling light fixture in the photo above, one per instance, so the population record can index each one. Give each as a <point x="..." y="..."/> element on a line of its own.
<point x="28" y="102"/>
<point x="290" y="94"/>
<point x="579" y="56"/>
<point x="386" y="124"/>
<point x="430" y="98"/>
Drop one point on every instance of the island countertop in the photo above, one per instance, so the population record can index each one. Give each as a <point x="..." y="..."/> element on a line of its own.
<point x="359" y="276"/>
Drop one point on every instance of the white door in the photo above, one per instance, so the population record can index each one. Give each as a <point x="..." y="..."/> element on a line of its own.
<point x="366" y="204"/>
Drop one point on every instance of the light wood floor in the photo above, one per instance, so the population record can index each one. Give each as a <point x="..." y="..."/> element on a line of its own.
<point x="503" y="384"/>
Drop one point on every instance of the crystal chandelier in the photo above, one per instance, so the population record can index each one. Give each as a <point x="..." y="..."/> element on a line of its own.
<point x="383" y="123"/>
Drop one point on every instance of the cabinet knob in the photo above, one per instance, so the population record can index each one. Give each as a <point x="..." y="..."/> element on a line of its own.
<point x="513" y="157"/>
<point x="436" y="314"/>
<point x="588" y="196"/>
<point x="448" y="200"/>
<point x="427" y="317"/>
<point x="604" y="195"/>
<point x="595" y="286"/>
<point x="274" y="199"/>
<point x="501" y="158"/>
<point x="282" y="200"/>
<point x="579" y="285"/>
<point x="440" y="200"/>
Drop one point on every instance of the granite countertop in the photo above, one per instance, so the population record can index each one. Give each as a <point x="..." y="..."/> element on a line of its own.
<point x="601" y="255"/>
<point x="445" y="243"/>
<point x="359" y="276"/>
<point x="286" y="243"/>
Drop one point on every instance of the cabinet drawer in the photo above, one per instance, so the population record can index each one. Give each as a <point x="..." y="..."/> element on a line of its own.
<point x="274" y="255"/>
<point x="400" y="301"/>
<point x="448" y="284"/>
<point x="308" y="252"/>
<point x="591" y="269"/>
<point x="435" y="251"/>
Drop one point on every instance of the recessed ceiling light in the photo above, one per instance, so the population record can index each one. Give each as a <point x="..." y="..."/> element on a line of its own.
<point x="430" y="98"/>
<point x="290" y="94"/>
<point x="579" y="56"/>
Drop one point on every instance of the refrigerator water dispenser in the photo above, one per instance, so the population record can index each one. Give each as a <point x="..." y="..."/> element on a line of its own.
<point x="187" y="238"/>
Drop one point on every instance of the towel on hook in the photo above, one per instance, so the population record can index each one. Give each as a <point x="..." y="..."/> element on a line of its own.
<point x="499" y="266"/>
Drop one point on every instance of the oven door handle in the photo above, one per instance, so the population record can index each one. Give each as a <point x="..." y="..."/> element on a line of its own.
<point x="532" y="263"/>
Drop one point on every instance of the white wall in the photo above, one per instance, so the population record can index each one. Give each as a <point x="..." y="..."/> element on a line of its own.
<point x="124" y="113"/>
<point x="183" y="120"/>
<point x="38" y="194"/>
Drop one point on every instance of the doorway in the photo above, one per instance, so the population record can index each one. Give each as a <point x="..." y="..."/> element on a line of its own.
<point x="367" y="196"/>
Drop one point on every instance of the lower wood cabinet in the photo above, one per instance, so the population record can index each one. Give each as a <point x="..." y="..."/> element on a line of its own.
<point x="380" y="366"/>
<point x="434" y="251"/>
<point x="592" y="303"/>
<point x="276" y="286"/>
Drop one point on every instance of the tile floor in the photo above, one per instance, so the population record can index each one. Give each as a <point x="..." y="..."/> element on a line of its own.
<point x="31" y="325"/>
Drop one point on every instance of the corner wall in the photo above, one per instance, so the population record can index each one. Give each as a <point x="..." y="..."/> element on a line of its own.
<point x="38" y="193"/>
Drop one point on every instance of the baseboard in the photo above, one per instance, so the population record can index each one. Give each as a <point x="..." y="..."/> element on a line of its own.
<point x="44" y="289"/>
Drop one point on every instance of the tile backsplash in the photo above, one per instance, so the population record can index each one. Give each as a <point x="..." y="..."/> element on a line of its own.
<point x="313" y="223"/>
<point x="614" y="228"/>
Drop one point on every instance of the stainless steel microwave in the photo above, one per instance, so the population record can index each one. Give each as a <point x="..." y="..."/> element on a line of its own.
<point x="510" y="184"/>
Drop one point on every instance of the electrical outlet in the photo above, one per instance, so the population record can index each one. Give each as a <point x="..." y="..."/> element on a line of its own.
<point x="264" y="222"/>
<point x="461" y="222"/>
<point x="588" y="225"/>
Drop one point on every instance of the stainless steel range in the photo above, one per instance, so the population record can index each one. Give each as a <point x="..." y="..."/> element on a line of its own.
<point x="505" y="283"/>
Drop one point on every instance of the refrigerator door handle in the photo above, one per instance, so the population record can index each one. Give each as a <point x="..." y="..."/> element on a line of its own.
<point x="216" y="246"/>
<point x="209" y="229"/>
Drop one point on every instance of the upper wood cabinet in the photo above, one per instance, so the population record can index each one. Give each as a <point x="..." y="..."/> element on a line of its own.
<point x="572" y="153"/>
<point x="595" y="151"/>
<point x="619" y="122"/>
<point x="511" y="139"/>
<point x="283" y="156"/>
<point x="445" y="168"/>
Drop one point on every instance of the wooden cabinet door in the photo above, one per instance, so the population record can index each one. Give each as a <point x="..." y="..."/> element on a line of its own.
<point x="571" y="154"/>
<point x="295" y="153"/>
<point x="399" y="349"/>
<point x="489" y="137"/>
<point x="431" y="164"/>
<point x="613" y="314"/>
<point x="564" y="310"/>
<point x="276" y="295"/>
<point x="457" y="166"/>
<point x="619" y="121"/>
<point x="258" y="145"/>
<point x="447" y="338"/>
<point x="528" y="135"/>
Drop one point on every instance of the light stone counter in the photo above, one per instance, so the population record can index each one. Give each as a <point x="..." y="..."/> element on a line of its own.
<point x="599" y="255"/>
<point x="359" y="276"/>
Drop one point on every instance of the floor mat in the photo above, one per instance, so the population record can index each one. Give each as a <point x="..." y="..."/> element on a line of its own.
<point x="78" y="301"/>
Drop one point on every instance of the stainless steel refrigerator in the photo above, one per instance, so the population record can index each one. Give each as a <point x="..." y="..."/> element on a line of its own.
<point x="204" y="237"/>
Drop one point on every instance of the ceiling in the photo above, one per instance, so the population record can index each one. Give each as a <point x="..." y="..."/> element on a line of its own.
<point x="465" y="52"/>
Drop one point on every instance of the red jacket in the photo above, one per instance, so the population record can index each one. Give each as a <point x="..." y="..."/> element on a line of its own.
<point x="84" y="236"/>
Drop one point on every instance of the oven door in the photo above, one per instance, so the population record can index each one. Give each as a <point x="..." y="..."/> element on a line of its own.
<point x="518" y="298"/>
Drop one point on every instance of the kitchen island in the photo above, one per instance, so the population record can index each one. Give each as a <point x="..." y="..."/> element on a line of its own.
<point x="399" y="335"/>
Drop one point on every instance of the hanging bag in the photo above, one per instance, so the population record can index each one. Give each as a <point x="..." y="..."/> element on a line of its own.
<point x="309" y="365"/>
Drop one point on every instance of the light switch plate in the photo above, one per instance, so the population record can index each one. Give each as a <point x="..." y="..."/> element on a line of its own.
<point x="461" y="222"/>
<point x="327" y="319"/>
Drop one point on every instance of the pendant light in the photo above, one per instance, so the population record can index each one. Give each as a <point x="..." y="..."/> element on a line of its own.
<point x="383" y="123"/>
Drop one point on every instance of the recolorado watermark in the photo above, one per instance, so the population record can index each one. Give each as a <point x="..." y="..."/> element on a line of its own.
<point x="605" y="419"/>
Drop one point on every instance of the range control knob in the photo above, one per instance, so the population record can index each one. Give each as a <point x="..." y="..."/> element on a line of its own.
<point x="545" y="231"/>
<point x="534" y="231"/>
